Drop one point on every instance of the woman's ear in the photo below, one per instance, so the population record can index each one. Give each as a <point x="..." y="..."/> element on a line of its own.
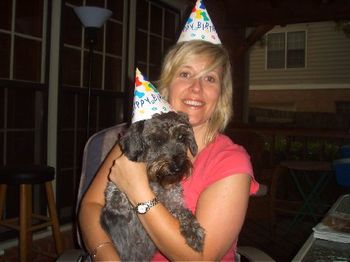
<point x="132" y="143"/>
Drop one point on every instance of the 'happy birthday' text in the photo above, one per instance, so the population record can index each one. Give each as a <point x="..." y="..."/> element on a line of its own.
<point x="149" y="100"/>
<point x="199" y="26"/>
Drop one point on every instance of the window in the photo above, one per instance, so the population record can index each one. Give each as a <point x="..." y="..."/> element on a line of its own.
<point x="23" y="92"/>
<point x="155" y="26"/>
<point x="286" y="50"/>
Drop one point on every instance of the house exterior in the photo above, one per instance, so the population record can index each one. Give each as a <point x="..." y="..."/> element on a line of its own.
<point x="300" y="68"/>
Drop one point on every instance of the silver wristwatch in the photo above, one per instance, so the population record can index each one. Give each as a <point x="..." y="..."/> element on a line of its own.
<point x="142" y="208"/>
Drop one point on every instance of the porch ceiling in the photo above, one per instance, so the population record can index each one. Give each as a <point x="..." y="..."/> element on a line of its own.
<point x="233" y="13"/>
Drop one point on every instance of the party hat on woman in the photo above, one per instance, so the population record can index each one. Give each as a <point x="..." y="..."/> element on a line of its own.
<point x="199" y="26"/>
<point x="147" y="100"/>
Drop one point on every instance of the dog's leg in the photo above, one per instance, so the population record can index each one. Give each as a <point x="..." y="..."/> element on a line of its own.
<point x="192" y="231"/>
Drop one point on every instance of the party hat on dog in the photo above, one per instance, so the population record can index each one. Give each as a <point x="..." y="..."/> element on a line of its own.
<point x="147" y="100"/>
<point x="199" y="26"/>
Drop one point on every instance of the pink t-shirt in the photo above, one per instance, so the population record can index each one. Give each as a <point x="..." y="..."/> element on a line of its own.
<point x="219" y="159"/>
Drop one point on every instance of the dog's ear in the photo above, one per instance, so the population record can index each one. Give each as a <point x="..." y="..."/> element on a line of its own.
<point x="132" y="143"/>
<point x="193" y="145"/>
<point x="192" y="142"/>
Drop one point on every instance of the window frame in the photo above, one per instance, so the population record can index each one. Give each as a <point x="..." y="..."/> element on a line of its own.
<point x="285" y="50"/>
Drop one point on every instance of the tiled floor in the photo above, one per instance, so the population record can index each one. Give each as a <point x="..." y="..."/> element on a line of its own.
<point x="45" y="247"/>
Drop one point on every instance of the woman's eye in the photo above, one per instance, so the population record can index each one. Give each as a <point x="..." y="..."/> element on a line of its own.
<point x="210" y="79"/>
<point x="184" y="74"/>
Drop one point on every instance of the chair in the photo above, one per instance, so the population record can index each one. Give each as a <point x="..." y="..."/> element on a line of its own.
<point x="25" y="177"/>
<point x="342" y="171"/>
<point x="254" y="143"/>
<point x="95" y="151"/>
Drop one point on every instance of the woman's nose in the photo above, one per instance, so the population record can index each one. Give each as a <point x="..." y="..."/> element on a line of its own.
<point x="197" y="85"/>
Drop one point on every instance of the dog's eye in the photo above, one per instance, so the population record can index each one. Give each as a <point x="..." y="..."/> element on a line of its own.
<point x="181" y="138"/>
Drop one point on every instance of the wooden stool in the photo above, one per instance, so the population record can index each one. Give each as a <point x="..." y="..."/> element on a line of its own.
<point x="25" y="177"/>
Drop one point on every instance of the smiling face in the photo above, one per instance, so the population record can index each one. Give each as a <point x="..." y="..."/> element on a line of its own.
<point x="196" y="79"/>
<point x="195" y="91"/>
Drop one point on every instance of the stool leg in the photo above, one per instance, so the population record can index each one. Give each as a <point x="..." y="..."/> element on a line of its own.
<point x="3" y="189"/>
<point x="54" y="217"/>
<point x="25" y="221"/>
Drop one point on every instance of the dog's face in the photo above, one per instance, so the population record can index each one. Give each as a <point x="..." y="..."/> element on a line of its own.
<point x="162" y="142"/>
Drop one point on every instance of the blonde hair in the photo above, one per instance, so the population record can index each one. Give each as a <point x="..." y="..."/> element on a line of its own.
<point x="184" y="52"/>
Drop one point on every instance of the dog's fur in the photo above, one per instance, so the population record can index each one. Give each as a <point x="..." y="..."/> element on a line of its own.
<point x="162" y="142"/>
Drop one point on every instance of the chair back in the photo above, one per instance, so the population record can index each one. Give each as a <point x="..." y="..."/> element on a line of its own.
<point x="341" y="168"/>
<point x="95" y="151"/>
<point x="254" y="143"/>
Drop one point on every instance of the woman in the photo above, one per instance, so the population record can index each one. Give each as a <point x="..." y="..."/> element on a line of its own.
<point x="195" y="79"/>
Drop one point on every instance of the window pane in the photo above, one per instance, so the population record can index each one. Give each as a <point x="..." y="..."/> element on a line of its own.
<point x="142" y="14"/>
<point x="96" y="81"/>
<point x="71" y="27"/>
<point x="117" y="7"/>
<point x="29" y="17"/>
<point x="75" y="2"/>
<point x="67" y="149"/>
<point x="295" y="49"/>
<point x="66" y="183"/>
<point x="141" y="46"/>
<point x="5" y="47"/>
<point x="275" y="41"/>
<point x="155" y="50"/>
<point x="29" y="51"/>
<point x="295" y="58"/>
<point x="109" y="111"/>
<point x="21" y="104"/>
<point x="154" y="72"/>
<point x="2" y="105"/>
<point x="71" y="66"/>
<point x="67" y="111"/>
<point x="275" y="50"/>
<point x="170" y="24"/>
<point x="296" y="40"/>
<point x="99" y="3"/>
<point x="5" y="14"/>
<point x="156" y="20"/>
<point x="20" y="146"/>
<point x="275" y="59"/>
<point x="114" y="34"/>
<point x="1" y="146"/>
<point x="113" y="74"/>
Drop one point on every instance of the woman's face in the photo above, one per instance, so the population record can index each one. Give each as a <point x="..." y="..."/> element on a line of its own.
<point x="193" y="95"/>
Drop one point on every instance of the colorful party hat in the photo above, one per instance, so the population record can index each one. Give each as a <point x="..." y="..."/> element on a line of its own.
<point x="147" y="100"/>
<point x="199" y="26"/>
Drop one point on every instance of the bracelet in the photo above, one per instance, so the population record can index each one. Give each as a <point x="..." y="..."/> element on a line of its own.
<point x="93" y="253"/>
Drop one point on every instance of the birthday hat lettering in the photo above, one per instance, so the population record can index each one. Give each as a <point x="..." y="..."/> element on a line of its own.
<point x="199" y="26"/>
<point x="147" y="100"/>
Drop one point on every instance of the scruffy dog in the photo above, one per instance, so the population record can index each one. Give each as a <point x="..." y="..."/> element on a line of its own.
<point x="162" y="142"/>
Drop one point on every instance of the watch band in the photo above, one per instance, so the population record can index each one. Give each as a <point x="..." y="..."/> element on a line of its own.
<point x="143" y="207"/>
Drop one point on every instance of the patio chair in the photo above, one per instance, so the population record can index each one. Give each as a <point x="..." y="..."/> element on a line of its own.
<point x="95" y="151"/>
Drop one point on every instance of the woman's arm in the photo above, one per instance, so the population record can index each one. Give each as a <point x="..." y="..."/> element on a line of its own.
<point x="90" y="211"/>
<point x="221" y="211"/>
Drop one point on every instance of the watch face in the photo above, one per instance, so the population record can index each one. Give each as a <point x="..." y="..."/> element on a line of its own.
<point x="142" y="208"/>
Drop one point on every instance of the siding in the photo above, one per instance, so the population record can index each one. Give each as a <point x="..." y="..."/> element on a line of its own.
<point x="327" y="59"/>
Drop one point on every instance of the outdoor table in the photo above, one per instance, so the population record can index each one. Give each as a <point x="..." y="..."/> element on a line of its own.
<point x="316" y="249"/>
<point x="314" y="176"/>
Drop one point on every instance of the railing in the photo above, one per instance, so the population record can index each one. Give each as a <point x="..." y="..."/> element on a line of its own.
<point x="312" y="144"/>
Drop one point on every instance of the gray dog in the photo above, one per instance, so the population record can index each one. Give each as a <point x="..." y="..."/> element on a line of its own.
<point x="162" y="142"/>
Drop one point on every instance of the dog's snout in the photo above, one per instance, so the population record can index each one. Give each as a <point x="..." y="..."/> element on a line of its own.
<point x="175" y="168"/>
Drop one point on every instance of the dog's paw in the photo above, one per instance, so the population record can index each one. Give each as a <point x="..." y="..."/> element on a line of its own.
<point x="192" y="231"/>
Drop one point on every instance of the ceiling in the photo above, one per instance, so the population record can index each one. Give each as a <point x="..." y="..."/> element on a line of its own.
<point x="233" y="13"/>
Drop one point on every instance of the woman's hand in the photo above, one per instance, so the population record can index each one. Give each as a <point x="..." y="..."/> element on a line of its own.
<point x="131" y="178"/>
